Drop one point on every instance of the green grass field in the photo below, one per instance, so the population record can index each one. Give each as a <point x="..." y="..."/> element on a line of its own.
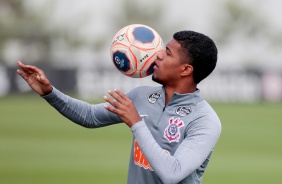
<point x="38" y="145"/>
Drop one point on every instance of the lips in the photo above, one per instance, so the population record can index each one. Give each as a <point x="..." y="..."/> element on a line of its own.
<point x="155" y="65"/>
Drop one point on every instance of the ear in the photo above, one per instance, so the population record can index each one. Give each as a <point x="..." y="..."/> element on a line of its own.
<point x="186" y="70"/>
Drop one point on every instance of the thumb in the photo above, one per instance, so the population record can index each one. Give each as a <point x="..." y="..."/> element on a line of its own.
<point x="41" y="78"/>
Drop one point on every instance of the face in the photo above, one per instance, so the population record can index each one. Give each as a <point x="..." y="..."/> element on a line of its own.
<point x="168" y="64"/>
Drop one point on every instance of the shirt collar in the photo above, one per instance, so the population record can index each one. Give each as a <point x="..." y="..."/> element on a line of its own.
<point x="186" y="98"/>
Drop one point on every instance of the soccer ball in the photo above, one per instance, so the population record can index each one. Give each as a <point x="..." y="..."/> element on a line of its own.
<point x="134" y="50"/>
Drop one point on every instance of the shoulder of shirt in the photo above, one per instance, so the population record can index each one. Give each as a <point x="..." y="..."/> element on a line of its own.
<point x="142" y="91"/>
<point x="147" y="89"/>
<point x="205" y="113"/>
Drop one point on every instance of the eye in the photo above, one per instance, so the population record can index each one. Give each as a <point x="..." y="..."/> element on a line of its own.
<point x="167" y="53"/>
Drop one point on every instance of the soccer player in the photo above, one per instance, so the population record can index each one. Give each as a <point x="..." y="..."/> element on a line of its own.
<point x="174" y="129"/>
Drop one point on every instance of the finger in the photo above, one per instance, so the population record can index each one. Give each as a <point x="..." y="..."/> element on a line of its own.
<point x="116" y="96"/>
<point x="22" y="66"/>
<point x="33" y="69"/>
<point x="25" y="68"/>
<point x="20" y="63"/>
<point x="121" y="94"/>
<point x="111" y="109"/>
<point x="22" y="74"/>
<point x="29" y="69"/>
<point x="110" y="101"/>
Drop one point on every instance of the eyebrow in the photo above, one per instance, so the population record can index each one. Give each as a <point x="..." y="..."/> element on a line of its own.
<point x="168" y="49"/>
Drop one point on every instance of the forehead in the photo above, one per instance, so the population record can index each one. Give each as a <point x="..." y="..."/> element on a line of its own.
<point x="173" y="45"/>
<point x="176" y="50"/>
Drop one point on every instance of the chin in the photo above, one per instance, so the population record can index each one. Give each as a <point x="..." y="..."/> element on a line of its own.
<point x="155" y="79"/>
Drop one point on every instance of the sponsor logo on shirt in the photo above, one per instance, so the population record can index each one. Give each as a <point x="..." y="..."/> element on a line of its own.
<point x="183" y="110"/>
<point x="154" y="97"/>
<point x="172" y="132"/>
<point x="139" y="157"/>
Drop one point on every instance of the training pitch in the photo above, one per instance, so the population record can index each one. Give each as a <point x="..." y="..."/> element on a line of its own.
<point x="38" y="145"/>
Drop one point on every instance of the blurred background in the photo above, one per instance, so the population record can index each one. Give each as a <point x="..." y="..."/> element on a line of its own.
<point x="70" y="41"/>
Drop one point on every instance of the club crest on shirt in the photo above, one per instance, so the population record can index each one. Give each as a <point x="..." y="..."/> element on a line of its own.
<point x="183" y="110"/>
<point x="154" y="97"/>
<point x="172" y="132"/>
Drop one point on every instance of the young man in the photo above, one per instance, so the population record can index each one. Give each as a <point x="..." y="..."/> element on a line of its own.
<point x="174" y="129"/>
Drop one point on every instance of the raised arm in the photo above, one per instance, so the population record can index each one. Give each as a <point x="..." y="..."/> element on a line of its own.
<point x="80" y="112"/>
<point x="35" y="78"/>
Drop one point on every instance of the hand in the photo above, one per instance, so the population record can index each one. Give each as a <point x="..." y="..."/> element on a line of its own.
<point x="123" y="107"/>
<point x="35" y="78"/>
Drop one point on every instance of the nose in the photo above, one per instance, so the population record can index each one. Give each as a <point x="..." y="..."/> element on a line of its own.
<point x="160" y="55"/>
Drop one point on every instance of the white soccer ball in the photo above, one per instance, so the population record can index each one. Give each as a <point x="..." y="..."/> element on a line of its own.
<point x="134" y="50"/>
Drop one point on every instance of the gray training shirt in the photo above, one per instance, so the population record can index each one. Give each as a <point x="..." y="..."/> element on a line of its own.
<point x="172" y="143"/>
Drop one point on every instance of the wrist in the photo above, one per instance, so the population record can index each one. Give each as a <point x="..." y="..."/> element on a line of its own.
<point x="134" y="122"/>
<point x="47" y="91"/>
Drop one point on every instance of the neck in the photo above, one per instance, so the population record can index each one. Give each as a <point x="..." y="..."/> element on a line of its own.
<point x="181" y="89"/>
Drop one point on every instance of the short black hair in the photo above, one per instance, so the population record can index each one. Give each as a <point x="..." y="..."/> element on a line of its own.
<point x="200" y="51"/>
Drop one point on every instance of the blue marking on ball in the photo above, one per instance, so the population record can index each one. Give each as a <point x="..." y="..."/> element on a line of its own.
<point x="121" y="61"/>
<point x="143" y="34"/>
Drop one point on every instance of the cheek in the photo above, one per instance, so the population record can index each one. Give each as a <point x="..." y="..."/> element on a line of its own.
<point x="170" y="64"/>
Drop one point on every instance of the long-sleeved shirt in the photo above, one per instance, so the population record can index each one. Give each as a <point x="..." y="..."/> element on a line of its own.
<point x="172" y="144"/>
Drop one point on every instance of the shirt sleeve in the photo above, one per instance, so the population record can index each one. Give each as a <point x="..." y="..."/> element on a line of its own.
<point x="80" y="112"/>
<point x="191" y="153"/>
